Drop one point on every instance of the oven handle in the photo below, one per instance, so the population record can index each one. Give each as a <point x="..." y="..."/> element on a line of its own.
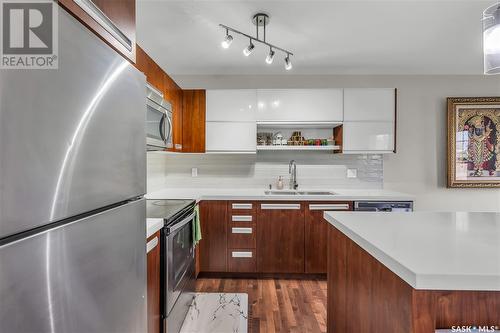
<point x="182" y="223"/>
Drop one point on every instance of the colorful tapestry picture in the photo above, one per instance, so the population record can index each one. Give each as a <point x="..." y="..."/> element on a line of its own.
<point x="473" y="142"/>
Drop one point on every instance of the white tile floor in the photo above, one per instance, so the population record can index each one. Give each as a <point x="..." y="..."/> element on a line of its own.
<point x="217" y="313"/>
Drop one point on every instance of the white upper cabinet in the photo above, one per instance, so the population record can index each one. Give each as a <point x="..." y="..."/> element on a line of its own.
<point x="368" y="137"/>
<point x="299" y="105"/>
<point x="231" y="105"/>
<point x="230" y="137"/>
<point x="369" y="104"/>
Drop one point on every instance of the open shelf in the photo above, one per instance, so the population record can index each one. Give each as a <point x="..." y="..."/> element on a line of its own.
<point x="298" y="148"/>
<point x="297" y="125"/>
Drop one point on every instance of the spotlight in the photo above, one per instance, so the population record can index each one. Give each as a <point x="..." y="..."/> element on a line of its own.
<point x="249" y="49"/>
<point x="270" y="56"/>
<point x="288" y="63"/>
<point x="227" y="40"/>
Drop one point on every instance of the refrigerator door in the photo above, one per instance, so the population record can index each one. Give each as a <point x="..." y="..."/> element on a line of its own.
<point x="71" y="139"/>
<point x="84" y="276"/>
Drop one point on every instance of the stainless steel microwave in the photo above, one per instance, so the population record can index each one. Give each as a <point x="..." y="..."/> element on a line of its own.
<point x="158" y="120"/>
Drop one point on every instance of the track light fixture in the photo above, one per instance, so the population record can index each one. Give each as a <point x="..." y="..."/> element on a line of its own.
<point x="260" y="20"/>
<point x="249" y="49"/>
<point x="227" y="40"/>
<point x="270" y="56"/>
<point x="288" y="63"/>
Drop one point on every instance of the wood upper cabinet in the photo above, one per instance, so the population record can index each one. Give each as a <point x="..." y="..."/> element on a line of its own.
<point x="193" y="121"/>
<point x="316" y="233"/>
<point x="299" y="105"/>
<point x="213" y="245"/>
<point x="280" y="237"/>
<point x="153" y="283"/>
<point x="111" y="20"/>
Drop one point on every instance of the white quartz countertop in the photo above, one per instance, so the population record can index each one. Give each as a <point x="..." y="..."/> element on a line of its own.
<point x="152" y="226"/>
<point x="259" y="194"/>
<point x="430" y="250"/>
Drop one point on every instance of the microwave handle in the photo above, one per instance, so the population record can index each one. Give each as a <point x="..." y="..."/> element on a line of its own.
<point x="162" y="129"/>
<point x="169" y="135"/>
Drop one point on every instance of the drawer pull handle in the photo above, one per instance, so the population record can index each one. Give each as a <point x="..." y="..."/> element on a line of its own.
<point x="241" y="230"/>
<point x="241" y="218"/>
<point x="151" y="244"/>
<point x="280" y="206"/>
<point x="242" y="206"/>
<point x="329" y="207"/>
<point x="238" y="254"/>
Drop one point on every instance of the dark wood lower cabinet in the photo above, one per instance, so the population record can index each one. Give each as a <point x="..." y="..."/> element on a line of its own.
<point x="316" y="234"/>
<point x="153" y="284"/>
<point x="213" y="245"/>
<point x="280" y="237"/>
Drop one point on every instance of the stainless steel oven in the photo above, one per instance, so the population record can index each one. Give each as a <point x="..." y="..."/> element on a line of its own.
<point x="177" y="259"/>
<point x="158" y="120"/>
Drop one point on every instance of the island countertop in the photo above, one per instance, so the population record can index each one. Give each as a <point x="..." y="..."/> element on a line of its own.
<point x="430" y="250"/>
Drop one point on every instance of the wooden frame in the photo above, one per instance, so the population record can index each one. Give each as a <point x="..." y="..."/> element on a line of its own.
<point x="477" y="119"/>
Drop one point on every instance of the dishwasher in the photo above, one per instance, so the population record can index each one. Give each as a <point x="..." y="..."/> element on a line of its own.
<point x="383" y="206"/>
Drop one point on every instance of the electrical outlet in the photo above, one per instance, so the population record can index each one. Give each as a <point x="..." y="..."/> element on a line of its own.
<point x="194" y="172"/>
<point x="352" y="173"/>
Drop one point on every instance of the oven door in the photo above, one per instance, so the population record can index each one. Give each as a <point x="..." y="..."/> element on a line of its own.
<point x="158" y="126"/>
<point x="180" y="259"/>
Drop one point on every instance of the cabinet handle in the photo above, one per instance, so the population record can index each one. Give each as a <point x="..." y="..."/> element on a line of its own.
<point x="242" y="206"/>
<point x="104" y="21"/>
<point x="241" y="218"/>
<point x="151" y="244"/>
<point x="241" y="230"/>
<point x="280" y="206"/>
<point x="239" y="254"/>
<point x="329" y="207"/>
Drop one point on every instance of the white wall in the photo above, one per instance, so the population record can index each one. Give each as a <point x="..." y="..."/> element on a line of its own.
<point x="419" y="167"/>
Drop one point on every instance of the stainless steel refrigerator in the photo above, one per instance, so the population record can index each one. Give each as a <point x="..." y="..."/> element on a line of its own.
<point x="72" y="177"/>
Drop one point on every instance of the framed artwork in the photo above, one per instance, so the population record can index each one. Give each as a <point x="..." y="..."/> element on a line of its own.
<point x="474" y="142"/>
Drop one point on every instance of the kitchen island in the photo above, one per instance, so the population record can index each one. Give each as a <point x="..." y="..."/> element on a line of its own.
<point x="412" y="272"/>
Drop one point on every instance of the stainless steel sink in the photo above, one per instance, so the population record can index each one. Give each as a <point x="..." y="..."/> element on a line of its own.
<point x="281" y="192"/>
<point x="270" y="192"/>
<point x="316" y="193"/>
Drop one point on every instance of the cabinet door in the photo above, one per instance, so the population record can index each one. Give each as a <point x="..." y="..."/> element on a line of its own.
<point x="112" y="21"/>
<point x="231" y="105"/>
<point x="300" y="105"/>
<point x="280" y="238"/>
<point x="153" y="283"/>
<point x="368" y="137"/>
<point x="193" y="121"/>
<point x="213" y="245"/>
<point x="231" y="137"/>
<point x="369" y="104"/>
<point x="316" y="234"/>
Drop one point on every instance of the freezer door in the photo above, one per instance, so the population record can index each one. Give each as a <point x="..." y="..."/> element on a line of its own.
<point x="73" y="139"/>
<point x="85" y="276"/>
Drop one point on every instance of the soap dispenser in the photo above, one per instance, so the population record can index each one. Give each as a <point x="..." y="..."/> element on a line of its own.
<point x="279" y="184"/>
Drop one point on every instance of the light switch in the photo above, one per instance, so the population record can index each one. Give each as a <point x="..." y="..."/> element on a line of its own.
<point x="352" y="173"/>
<point x="194" y="172"/>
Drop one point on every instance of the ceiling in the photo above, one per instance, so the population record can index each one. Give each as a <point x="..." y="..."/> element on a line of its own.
<point x="327" y="37"/>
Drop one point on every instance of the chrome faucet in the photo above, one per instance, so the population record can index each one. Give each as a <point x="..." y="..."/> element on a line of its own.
<point x="292" y="170"/>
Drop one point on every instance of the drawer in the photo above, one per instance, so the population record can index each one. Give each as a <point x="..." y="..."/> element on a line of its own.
<point x="241" y="236"/>
<point x="242" y="208"/>
<point x="242" y="261"/>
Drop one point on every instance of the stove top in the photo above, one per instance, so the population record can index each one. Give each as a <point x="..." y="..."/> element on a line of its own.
<point x="167" y="209"/>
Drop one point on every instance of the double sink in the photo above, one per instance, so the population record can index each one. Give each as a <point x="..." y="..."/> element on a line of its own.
<point x="291" y="192"/>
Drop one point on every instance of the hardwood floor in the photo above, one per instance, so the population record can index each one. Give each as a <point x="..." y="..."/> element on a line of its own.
<point x="277" y="305"/>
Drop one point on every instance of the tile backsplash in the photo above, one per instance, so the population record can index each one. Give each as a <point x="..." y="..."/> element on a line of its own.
<point x="314" y="170"/>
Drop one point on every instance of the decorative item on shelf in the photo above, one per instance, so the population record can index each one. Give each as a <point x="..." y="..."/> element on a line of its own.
<point x="264" y="139"/>
<point x="260" y="20"/>
<point x="474" y="142"/>
<point x="330" y="141"/>
<point x="296" y="139"/>
<point x="277" y="139"/>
